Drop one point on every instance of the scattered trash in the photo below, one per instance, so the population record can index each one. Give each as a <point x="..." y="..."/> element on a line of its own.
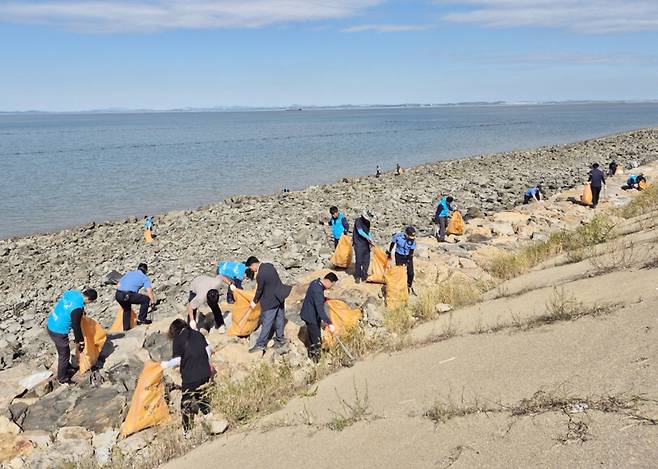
<point x="578" y="408"/>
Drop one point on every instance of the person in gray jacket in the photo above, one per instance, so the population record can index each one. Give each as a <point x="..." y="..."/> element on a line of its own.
<point x="271" y="293"/>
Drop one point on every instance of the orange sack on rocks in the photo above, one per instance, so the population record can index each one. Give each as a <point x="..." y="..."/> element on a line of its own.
<point x="378" y="265"/>
<point x="586" y="198"/>
<point x="117" y="325"/>
<point x="148" y="236"/>
<point x="148" y="406"/>
<point x="397" y="293"/>
<point x="456" y="225"/>
<point x="243" y="323"/>
<point x="343" y="255"/>
<point x="342" y="317"/>
<point x="95" y="337"/>
<point x="642" y="185"/>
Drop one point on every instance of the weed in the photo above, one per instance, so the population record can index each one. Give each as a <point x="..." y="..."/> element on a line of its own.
<point x="443" y="411"/>
<point x="564" y="307"/>
<point x="350" y="413"/>
<point x="644" y="202"/>
<point x="619" y="254"/>
<point x="399" y="320"/>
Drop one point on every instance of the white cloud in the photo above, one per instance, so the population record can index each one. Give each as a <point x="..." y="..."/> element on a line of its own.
<point x="387" y="28"/>
<point x="153" y="15"/>
<point x="583" y="16"/>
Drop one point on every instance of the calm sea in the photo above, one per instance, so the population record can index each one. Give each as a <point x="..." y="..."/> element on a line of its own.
<point x="63" y="170"/>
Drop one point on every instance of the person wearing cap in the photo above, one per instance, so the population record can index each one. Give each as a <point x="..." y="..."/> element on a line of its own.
<point x="533" y="193"/>
<point x="405" y="245"/>
<point x="204" y="290"/>
<point x="66" y="315"/>
<point x="128" y="294"/>
<point x="232" y="273"/>
<point x="313" y="312"/>
<point x="596" y="179"/>
<point x="362" y="242"/>
<point x="271" y="293"/>
<point x="339" y="224"/>
<point x="442" y="217"/>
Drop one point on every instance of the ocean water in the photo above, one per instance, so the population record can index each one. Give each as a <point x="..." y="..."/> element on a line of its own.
<point x="63" y="170"/>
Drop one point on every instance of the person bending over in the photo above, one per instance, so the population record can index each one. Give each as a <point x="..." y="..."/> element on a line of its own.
<point x="128" y="294"/>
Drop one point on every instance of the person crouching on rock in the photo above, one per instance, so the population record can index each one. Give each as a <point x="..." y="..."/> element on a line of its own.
<point x="633" y="182"/>
<point x="128" y="294"/>
<point x="533" y="193"/>
<point x="339" y="225"/>
<point x="66" y="315"/>
<point x="442" y="218"/>
<point x="204" y="290"/>
<point x="405" y="245"/>
<point x="192" y="353"/>
<point x="232" y="273"/>
<point x="271" y="293"/>
<point x="362" y="242"/>
<point x="313" y="313"/>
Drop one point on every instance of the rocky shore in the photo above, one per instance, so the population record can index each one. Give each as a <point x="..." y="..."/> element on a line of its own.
<point x="284" y="228"/>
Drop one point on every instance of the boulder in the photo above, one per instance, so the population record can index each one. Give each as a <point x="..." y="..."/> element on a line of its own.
<point x="72" y="433"/>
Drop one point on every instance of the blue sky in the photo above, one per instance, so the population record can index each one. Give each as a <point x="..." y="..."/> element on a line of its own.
<point x="78" y="54"/>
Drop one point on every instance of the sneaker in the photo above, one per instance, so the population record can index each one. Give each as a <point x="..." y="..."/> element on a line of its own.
<point x="66" y="382"/>
<point x="358" y="280"/>
<point x="412" y="291"/>
<point x="256" y="349"/>
<point x="145" y="321"/>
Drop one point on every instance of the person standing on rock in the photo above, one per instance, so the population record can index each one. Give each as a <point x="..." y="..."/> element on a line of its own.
<point x="339" y="225"/>
<point x="533" y="193"/>
<point x="204" y="290"/>
<point x="442" y="218"/>
<point x="405" y="245"/>
<point x="271" y="293"/>
<point x="362" y="242"/>
<point x="597" y="181"/>
<point x="378" y="172"/>
<point x="612" y="168"/>
<point x="128" y="294"/>
<point x="66" y="315"/>
<point x="192" y="353"/>
<point x="232" y="273"/>
<point x="313" y="312"/>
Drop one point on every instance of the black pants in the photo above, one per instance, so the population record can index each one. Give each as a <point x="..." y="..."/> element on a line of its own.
<point x="362" y="261"/>
<point x="195" y="399"/>
<point x="527" y="199"/>
<point x="126" y="299"/>
<point x="214" y="307"/>
<point x="596" y="193"/>
<point x="230" y="299"/>
<point x="336" y="240"/>
<point x="443" y="225"/>
<point x="63" y="355"/>
<point x="315" y="340"/>
<point x="409" y="262"/>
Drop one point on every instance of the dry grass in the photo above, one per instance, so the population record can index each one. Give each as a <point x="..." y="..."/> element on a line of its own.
<point x="350" y="412"/>
<point x="441" y="411"/>
<point x="618" y="254"/>
<point x="399" y="320"/>
<point x="644" y="202"/>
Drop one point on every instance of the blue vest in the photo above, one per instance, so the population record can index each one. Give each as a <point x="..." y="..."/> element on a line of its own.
<point x="59" y="320"/>
<point x="337" y="228"/>
<point x="532" y="192"/>
<point x="443" y="209"/>
<point x="232" y="270"/>
<point x="631" y="180"/>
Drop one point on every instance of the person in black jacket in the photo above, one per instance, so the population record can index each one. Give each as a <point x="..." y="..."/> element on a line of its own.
<point x="597" y="181"/>
<point x="192" y="353"/>
<point x="271" y="293"/>
<point x="362" y="241"/>
<point x="313" y="312"/>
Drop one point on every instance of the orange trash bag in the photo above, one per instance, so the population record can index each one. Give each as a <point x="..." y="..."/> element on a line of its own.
<point x="456" y="225"/>
<point x="243" y="323"/>
<point x="117" y="325"/>
<point x="95" y="337"/>
<point x="148" y="236"/>
<point x="397" y="292"/>
<point x="342" y="317"/>
<point x="343" y="255"/>
<point x="642" y="185"/>
<point x="148" y="406"/>
<point x="586" y="198"/>
<point x="379" y="264"/>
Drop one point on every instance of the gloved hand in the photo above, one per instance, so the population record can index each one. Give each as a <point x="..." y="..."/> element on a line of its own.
<point x="164" y="365"/>
<point x="232" y="287"/>
<point x="81" y="346"/>
<point x="193" y="324"/>
<point x="388" y="254"/>
<point x="252" y="305"/>
<point x="332" y="328"/>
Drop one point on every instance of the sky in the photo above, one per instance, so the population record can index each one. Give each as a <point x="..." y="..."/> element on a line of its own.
<point x="69" y="55"/>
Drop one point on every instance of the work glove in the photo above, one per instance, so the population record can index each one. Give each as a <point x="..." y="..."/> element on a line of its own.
<point x="193" y="324"/>
<point x="388" y="254"/>
<point x="252" y="305"/>
<point x="232" y="287"/>
<point x="164" y="365"/>
<point x="331" y="328"/>
<point x="81" y="346"/>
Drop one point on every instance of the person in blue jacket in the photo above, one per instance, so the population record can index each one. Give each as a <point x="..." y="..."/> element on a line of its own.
<point x="405" y="245"/>
<point x="633" y="182"/>
<point x="442" y="218"/>
<point x="66" y="315"/>
<point x="313" y="312"/>
<point x="233" y="273"/>
<point x="362" y="242"/>
<point x="533" y="193"/>
<point x="339" y="225"/>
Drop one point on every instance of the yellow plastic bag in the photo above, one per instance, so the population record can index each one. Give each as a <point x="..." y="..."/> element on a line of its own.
<point x="148" y="236"/>
<point x="378" y="265"/>
<point x="95" y="337"/>
<point x="642" y="185"/>
<point x="243" y="323"/>
<point x="342" y="317"/>
<point x="397" y="293"/>
<point x="343" y="255"/>
<point x="456" y="225"/>
<point x="117" y="325"/>
<point x="148" y="406"/>
<point x="586" y="198"/>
